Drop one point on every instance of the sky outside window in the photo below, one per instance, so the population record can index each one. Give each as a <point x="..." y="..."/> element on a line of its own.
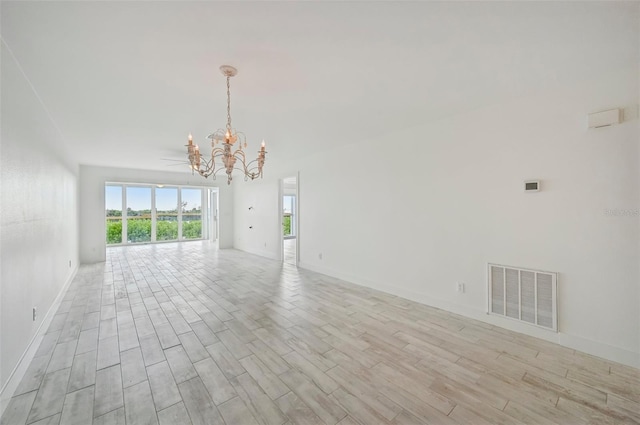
<point x="166" y="199"/>
<point x="288" y="204"/>
<point x="139" y="198"/>
<point x="113" y="197"/>
<point x="191" y="198"/>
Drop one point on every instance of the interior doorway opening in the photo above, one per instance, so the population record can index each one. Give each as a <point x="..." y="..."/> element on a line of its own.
<point x="289" y="219"/>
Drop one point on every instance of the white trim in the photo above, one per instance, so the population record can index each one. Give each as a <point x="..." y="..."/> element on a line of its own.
<point x="154" y="216"/>
<point x="214" y="201"/>
<point x="179" y="214"/>
<point x="280" y="215"/>
<point x="296" y="217"/>
<point x="262" y="253"/>
<point x="19" y="370"/>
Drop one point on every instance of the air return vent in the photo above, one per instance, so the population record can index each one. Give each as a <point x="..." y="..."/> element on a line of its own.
<point x="524" y="295"/>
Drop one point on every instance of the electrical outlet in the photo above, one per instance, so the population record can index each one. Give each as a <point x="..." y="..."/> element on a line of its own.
<point x="35" y="314"/>
<point x="460" y="287"/>
<point x="320" y="256"/>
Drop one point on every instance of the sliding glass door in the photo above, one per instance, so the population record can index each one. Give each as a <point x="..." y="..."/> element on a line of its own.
<point x="113" y="202"/>
<point x="191" y="213"/>
<point x="154" y="213"/>
<point x="138" y="214"/>
<point x="167" y="214"/>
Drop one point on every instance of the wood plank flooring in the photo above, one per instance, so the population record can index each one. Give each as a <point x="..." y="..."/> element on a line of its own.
<point x="290" y="250"/>
<point x="188" y="334"/>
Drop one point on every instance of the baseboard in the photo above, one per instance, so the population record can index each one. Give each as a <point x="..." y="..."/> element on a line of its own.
<point x="598" y="349"/>
<point x="261" y="253"/>
<point x="19" y="370"/>
<point x="595" y="348"/>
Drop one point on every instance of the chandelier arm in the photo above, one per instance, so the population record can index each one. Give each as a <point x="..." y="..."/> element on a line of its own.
<point x="207" y="164"/>
<point x="214" y="172"/>
<point x="240" y="158"/>
<point x="250" y="165"/>
<point x="250" y="170"/>
<point x="253" y="174"/>
<point x="243" y="170"/>
<point x="240" y="154"/>
<point x="216" y="152"/>
<point x="207" y="167"/>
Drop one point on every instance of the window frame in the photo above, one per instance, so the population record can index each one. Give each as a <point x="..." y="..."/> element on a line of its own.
<point x="204" y="212"/>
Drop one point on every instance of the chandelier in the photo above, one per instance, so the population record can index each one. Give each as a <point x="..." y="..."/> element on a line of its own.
<point x="223" y="157"/>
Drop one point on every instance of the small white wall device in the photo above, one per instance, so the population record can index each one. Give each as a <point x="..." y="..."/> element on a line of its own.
<point x="606" y="118"/>
<point x="532" y="186"/>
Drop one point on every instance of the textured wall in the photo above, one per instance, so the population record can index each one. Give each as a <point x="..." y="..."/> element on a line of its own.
<point x="39" y="222"/>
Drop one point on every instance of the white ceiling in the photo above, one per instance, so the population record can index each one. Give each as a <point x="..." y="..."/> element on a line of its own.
<point x="126" y="81"/>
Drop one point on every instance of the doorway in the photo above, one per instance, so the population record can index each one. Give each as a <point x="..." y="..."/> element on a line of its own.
<point x="289" y="220"/>
<point x="214" y="213"/>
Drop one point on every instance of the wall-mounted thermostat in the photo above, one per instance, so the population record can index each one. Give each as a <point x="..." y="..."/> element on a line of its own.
<point x="605" y="118"/>
<point x="532" y="186"/>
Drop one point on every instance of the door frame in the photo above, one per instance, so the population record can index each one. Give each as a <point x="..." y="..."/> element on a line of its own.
<point x="213" y="195"/>
<point x="296" y="216"/>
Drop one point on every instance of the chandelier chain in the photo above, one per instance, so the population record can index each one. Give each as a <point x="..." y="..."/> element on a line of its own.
<point x="228" y="105"/>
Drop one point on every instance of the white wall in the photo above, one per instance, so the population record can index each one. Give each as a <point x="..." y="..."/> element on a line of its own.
<point x="454" y="201"/>
<point x="92" y="204"/>
<point x="257" y="229"/>
<point x="39" y="215"/>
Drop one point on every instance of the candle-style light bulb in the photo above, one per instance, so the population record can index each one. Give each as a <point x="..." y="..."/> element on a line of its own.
<point x="262" y="146"/>
<point x="190" y="139"/>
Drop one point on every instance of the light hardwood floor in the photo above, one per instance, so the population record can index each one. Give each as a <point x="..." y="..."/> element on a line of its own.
<point x="187" y="334"/>
<point x="290" y="251"/>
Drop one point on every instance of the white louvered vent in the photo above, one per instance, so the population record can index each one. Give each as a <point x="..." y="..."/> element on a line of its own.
<point x="524" y="295"/>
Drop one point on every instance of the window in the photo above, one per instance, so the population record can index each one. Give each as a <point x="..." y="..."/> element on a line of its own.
<point x="167" y="214"/>
<point x="138" y="214"/>
<point x="153" y="214"/>
<point x="288" y="215"/>
<point x="191" y="213"/>
<point x="113" y="202"/>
